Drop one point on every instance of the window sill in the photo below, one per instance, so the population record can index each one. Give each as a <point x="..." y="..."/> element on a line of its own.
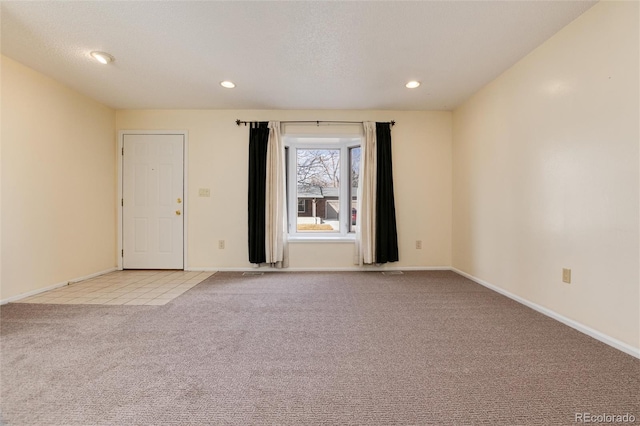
<point x="322" y="239"/>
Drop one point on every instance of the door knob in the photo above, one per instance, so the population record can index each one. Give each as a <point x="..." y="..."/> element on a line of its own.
<point x="177" y="212"/>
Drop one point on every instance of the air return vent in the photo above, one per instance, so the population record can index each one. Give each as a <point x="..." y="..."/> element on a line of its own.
<point x="393" y="273"/>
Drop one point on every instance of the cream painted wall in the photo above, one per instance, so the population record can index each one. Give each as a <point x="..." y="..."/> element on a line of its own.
<point x="217" y="159"/>
<point x="58" y="183"/>
<point x="546" y="175"/>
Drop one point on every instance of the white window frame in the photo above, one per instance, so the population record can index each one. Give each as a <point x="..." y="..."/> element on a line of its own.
<point x="343" y="143"/>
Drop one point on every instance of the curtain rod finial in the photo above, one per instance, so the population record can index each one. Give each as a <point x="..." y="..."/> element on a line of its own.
<point x="393" y="123"/>
<point x="238" y="122"/>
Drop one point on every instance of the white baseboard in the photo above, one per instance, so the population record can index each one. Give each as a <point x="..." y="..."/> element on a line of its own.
<point x="54" y="286"/>
<point x="354" y="268"/>
<point x="624" y="347"/>
<point x="201" y="269"/>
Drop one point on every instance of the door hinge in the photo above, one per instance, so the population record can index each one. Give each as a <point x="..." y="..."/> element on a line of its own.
<point x="122" y="202"/>
<point x="122" y="150"/>
<point x="121" y="253"/>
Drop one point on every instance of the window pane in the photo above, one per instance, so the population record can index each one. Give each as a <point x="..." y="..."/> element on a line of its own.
<point x="318" y="181"/>
<point x="354" y="178"/>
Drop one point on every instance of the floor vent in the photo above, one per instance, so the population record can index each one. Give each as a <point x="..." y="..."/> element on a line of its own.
<point x="393" y="273"/>
<point x="252" y="273"/>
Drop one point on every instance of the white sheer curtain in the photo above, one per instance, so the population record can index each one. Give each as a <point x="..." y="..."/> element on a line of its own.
<point x="365" y="228"/>
<point x="276" y="200"/>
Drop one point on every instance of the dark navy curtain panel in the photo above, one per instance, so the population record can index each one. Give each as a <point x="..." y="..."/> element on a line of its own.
<point x="386" y="231"/>
<point x="258" y="141"/>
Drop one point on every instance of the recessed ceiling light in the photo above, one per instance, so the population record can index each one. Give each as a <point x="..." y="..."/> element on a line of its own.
<point x="227" y="84"/>
<point x="102" y="57"/>
<point x="412" y="84"/>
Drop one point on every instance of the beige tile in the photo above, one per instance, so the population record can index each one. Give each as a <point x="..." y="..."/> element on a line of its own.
<point x="65" y="302"/>
<point x="135" y="285"/>
<point x="150" y="286"/>
<point x="114" y="290"/>
<point x="203" y="277"/>
<point x="188" y="275"/>
<point x="167" y="296"/>
<point x="97" y="301"/>
<point x="153" y="294"/>
<point x="64" y="291"/>
<point x="115" y="302"/>
<point x="138" y="301"/>
<point x="119" y="291"/>
<point x="158" y="302"/>
<point x="81" y="299"/>
<point x="167" y="287"/>
<point x="84" y="294"/>
<point x="29" y="300"/>
<point x="62" y="299"/>
<point x="139" y="290"/>
<point x="91" y="290"/>
<point x="158" y="287"/>
<point x="124" y="287"/>
<point x="56" y="297"/>
<point x="124" y="299"/>
<point x="103" y="299"/>
<point x="98" y="293"/>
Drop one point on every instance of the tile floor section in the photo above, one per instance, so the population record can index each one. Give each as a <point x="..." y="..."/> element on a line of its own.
<point x="123" y="288"/>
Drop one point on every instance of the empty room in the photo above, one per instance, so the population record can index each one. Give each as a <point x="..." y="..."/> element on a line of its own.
<point x="319" y="212"/>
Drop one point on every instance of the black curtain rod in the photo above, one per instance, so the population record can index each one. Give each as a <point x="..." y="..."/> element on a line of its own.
<point x="239" y="122"/>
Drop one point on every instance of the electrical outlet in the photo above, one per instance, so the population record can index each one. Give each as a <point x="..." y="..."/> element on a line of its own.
<point x="419" y="244"/>
<point x="566" y="275"/>
<point x="204" y="192"/>
<point x="221" y="244"/>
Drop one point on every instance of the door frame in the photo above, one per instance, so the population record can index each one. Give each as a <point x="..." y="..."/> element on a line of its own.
<point x="120" y="172"/>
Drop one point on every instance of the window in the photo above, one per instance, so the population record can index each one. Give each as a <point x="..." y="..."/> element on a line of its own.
<point x="322" y="175"/>
<point x="354" y="178"/>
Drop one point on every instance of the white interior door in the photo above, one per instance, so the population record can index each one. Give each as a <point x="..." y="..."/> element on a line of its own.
<point x="152" y="202"/>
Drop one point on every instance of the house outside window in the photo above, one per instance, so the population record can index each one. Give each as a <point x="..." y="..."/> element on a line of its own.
<point x="322" y="186"/>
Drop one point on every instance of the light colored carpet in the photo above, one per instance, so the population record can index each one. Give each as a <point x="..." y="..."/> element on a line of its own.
<point x="308" y="348"/>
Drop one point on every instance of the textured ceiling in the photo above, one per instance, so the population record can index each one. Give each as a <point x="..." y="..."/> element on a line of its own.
<point x="281" y="55"/>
